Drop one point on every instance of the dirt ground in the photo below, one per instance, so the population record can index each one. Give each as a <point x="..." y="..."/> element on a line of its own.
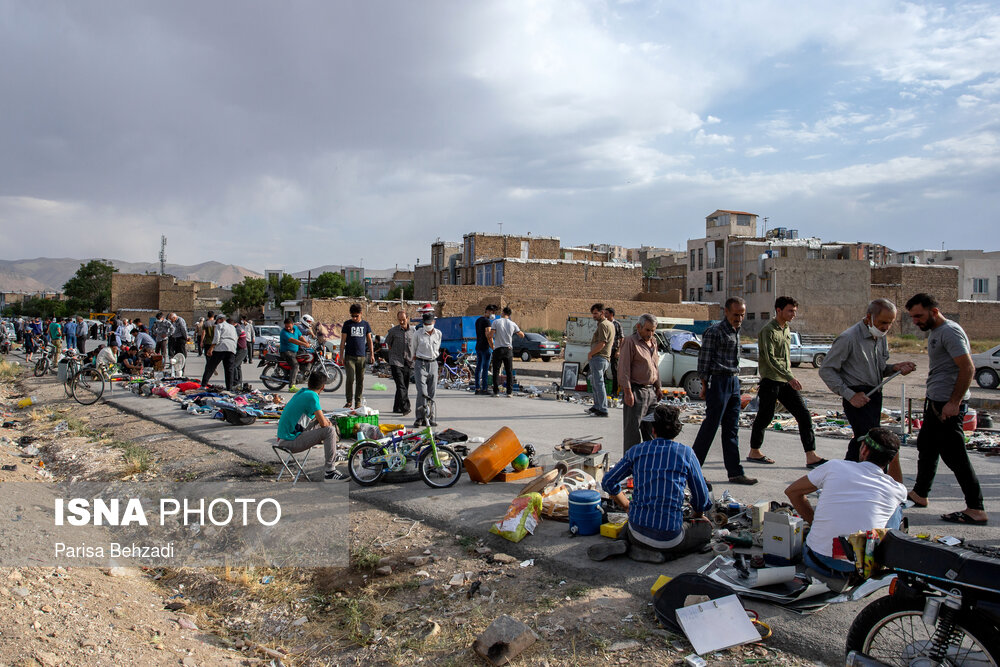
<point x="413" y="595"/>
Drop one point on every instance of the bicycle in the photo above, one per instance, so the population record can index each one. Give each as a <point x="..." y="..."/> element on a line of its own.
<point x="462" y="371"/>
<point x="74" y="362"/>
<point x="87" y="384"/>
<point x="439" y="465"/>
<point x="44" y="364"/>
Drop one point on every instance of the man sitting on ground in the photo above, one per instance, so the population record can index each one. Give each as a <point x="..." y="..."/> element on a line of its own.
<point x="292" y="437"/>
<point x="129" y="360"/>
<point x="660" y="469"/>
<point x="857" y="495"/>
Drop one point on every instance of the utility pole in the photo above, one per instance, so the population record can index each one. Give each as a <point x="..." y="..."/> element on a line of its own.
<point x="163" y="255"/>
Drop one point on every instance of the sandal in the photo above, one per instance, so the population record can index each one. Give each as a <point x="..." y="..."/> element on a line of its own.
<point x="962" y="517"/>
<point x="909" y="496"/>
<point x="762" y="459"/>
<point x="816" y="464"/>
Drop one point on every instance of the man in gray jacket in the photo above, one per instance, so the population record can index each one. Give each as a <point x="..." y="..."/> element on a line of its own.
<point x="221" y="350"/>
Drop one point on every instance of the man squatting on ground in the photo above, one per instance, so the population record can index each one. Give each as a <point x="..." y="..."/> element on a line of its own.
<point x="774" y="358"/>
<point x="397" y="341"/>
<point x="295" y="439"/>
<point x="857" y="362"/>
<point x="948" y="378"/>
<point x="639" y="374"/>
<point x="425" y="346"/>
<point x="857" y="495"/>
<point x="660" y="468"/>
<point x="719" y="369"/>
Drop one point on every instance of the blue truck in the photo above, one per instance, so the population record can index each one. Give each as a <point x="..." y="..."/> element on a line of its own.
<point x="458" y="334"/>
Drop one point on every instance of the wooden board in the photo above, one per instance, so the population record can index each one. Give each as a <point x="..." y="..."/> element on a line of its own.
<point x="515" y="476"/>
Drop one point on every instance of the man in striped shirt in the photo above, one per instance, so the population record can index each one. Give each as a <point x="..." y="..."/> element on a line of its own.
<point x="660" y="469"/>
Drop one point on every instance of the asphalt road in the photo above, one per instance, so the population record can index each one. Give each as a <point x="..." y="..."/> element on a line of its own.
<point x="469" y="508"/>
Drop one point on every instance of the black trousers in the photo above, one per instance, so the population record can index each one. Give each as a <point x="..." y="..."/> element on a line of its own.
<point x="862" y="420"/>
<point x="614" y="376"/>
<point x="944" y="439"/>
<point x="401" y="376"/>
<point x="505" y="356"/>
<point x="769" y="393"/>
<point x="178" y="345"/>
<point x="212" y="362"/>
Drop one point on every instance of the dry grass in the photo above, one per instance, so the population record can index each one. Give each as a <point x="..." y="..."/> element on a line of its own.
<point x="9" y="372"/>
<point x="914" y="344"/>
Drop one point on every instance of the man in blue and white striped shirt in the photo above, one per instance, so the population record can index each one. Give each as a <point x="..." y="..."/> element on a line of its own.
<point x="660" y="469"/>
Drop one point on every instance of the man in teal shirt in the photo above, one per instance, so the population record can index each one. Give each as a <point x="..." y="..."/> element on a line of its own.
<point x="777" y="383"/>
<point x="293" y="438"/>
<point x="288" y="348"/>
<point x="56" y="336"/>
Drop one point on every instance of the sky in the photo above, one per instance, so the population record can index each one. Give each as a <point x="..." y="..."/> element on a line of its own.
<point x="274" y="134"/>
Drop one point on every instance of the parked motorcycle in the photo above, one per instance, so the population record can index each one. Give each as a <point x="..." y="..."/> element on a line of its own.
<point x="943" y="607"/>
<point x="276" y="370"/>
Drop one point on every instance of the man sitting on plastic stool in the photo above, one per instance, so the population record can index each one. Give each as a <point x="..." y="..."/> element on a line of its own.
<point x="857" y="495"/>
<point x="660" y="469"/>
<point x="292" y="437"/>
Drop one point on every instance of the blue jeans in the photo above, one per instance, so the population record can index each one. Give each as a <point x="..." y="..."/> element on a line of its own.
<point x="722" y="406"/>
<point x="598" y="366"/>
<point x="482" y="367"/>
<point x="71" y="341"/>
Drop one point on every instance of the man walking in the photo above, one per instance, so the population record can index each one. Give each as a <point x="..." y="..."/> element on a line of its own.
<point x="425" y="346"/>
<point x="484" y="348"/>
<point x="355" y="345"/>
<point x="398" y="343"/>
<point x="207" y="331"/>
<point x="161" y="331"/>
<point x="178" y="335"/>
<point x="949" y="375"/>
<point x="81" y="334"/>
<point x="638" y="368"/>
<point x="599" y="358"/>
<point x="504" y="330"/>
<point x="609" y="314"/>
<point x="774" y="358"/>
<point x="221" y="350"/>
<point x="719" y="369"/>
<point x="242" y="347"/>
<point x="56" y="338"/>
<point x="856" y="364"/>
<point x="199" y="333"/>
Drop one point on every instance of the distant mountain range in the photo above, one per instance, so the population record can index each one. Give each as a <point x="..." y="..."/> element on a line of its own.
<point x="46" y="274"/>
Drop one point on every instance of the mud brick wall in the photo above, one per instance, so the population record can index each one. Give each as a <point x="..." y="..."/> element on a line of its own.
<point x="381" y="315"/>
<point x="568" y="279"/>
<point x="899" y="283"/>
<point x="134" y="291"/>
<point x="423" y="282"/>
<point x="980" y="319"/>
<point x="490" y="246"/>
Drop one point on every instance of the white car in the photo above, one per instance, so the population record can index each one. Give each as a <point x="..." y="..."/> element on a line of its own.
<point x="265" y="335"/>
<point x="987" y="365"/>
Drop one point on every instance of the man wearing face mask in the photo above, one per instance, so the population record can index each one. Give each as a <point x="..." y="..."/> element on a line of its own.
<point x="425" y="346"/>
<point x="856" y="363"/>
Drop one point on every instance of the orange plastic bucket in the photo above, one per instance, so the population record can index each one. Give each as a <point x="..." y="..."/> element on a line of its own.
<point x="492" y="456"/>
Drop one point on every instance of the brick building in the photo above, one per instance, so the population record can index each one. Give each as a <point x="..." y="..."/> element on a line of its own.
<point x="137" y="295"/>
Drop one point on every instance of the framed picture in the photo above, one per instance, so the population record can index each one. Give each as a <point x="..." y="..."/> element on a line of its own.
<point x="570" y="375"/>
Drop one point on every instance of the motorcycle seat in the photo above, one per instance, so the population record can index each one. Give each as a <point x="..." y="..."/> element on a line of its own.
<point x="273" y="358"/>
<point x="899" y="551"/>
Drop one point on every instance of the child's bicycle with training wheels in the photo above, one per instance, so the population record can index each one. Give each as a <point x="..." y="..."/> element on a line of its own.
<point x="439" y="465"/>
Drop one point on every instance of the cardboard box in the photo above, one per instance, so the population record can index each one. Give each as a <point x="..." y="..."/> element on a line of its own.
<point x="612" y="530"/>
<point x="782" y="535"/>
<point x="757" y="511"/>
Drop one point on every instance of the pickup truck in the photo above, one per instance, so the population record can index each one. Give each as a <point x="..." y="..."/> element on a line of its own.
<point x="800" y="352"/>
<point x="678" y="365"/>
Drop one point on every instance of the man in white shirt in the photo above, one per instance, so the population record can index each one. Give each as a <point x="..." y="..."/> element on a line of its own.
<point x="857" y="495"/>
<point x="504" y="330"/>
<point x="423" y="353"/>
<point x="222" y="350"/>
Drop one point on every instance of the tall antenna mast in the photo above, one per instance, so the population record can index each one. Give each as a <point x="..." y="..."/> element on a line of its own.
<point x="163" y="255"/>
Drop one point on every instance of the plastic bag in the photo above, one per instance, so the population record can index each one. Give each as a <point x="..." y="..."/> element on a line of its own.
<point x="555" y="496"/>
<point x="520" y="519"/>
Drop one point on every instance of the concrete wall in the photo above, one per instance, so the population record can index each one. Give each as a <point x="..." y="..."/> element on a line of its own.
<point x="832" y="294"/>
<point x="423" y="282"/>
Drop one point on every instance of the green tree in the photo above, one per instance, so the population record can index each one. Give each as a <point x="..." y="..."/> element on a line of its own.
<point x="327" y="285"/>
<point x="38" y="307"/>
<point x="251" y="293"/>
<point x="355" y="289"/>
<point x="90" y="288"/>
<point x="285" y="289"/>
<point x="406" y="289"/>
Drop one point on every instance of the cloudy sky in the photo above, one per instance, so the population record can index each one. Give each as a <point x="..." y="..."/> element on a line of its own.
<point x="304" y="133"/>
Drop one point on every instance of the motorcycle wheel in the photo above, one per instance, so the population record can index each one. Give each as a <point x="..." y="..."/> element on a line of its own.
<point x="892" y="631"/>
<point x="41" y="368"/>
<point x="335" y="375"/>
<point x="363" y="472"/>
<point x="273" y="377"/>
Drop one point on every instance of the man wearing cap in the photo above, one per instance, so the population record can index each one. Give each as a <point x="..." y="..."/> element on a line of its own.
<point x="425" y="346"/>
<point x="857" y="495"/>
<point x="661" y="469"/>
<point x="221" y="350"/>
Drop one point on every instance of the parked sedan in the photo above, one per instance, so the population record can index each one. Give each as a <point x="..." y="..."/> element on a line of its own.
<point x="535" y="346"/>
<point x="265" y="335"/>
<point x="987" y="366"/>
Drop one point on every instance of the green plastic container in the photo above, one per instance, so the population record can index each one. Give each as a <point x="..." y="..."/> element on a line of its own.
<point x="346" y="424"/>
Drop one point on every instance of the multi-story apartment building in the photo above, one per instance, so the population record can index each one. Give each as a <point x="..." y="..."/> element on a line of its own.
<point x="978" y="270"/>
